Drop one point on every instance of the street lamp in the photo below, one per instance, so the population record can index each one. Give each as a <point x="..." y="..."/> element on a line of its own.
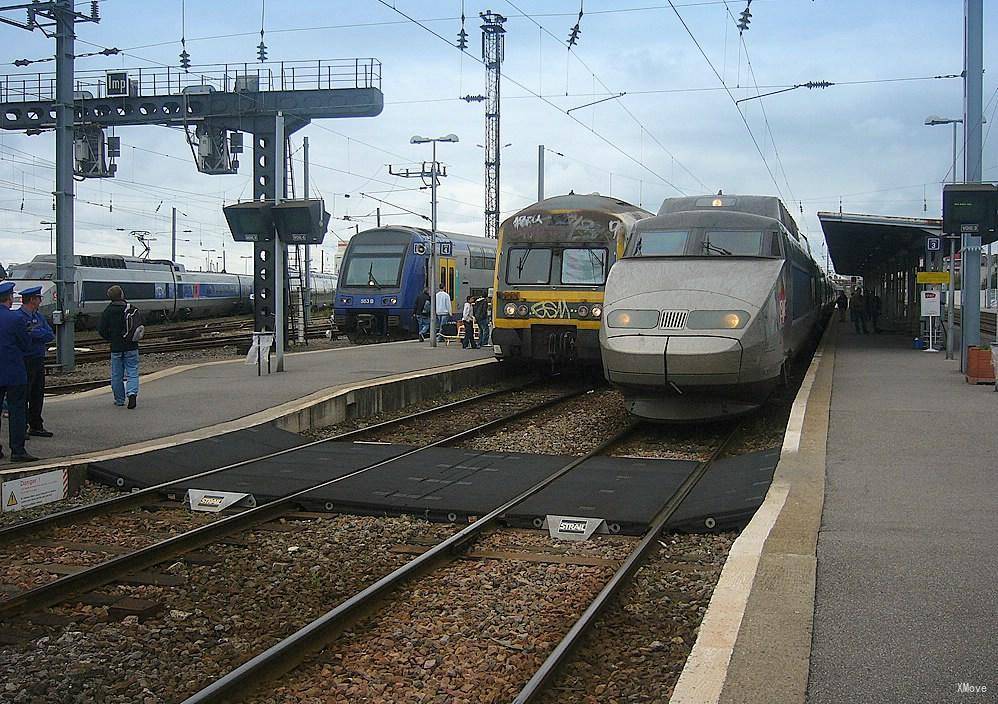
<point x="207" y="256"/>
<point x="434" y="171"/>
<point x="933" y="121"/>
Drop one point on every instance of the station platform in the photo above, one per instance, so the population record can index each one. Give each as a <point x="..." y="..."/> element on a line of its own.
<point x="869" y="572"/>
<point x="195" y="400"/>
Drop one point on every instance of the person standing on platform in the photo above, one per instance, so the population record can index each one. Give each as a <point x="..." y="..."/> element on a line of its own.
<point x="40" y="334"/>
<point x="124" y="351"/>
<point x="468" y="318"/>
<point x="857" y="311"/>
<point x="421" y="310"/>
<point x="14" y="344"/>
<point x="443" y="312"/>
<point x="873" y="310"/>
<point x="482" y="317"/>
<point x="842" y="303"/>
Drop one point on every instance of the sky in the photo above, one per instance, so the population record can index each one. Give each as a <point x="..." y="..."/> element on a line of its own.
<point x="860" y="145"/>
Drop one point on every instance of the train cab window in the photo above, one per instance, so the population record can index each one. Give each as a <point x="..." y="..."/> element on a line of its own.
<point x="731" y="243"/>
<point x="659" y="243"/>
<point x="775" y="248"/>
<point x="528" y="265"/>
<point x="584" y="266"/>
<point x="373" y="265"/>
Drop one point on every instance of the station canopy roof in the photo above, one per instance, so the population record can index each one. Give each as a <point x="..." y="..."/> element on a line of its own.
<point x="858" y="242"/>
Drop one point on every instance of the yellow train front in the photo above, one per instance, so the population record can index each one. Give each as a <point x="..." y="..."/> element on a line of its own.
<point x="552" y="264"/>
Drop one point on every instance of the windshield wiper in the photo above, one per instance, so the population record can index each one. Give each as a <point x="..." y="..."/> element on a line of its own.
<point x="521" y="262"/>
<point x="708" y="247"/>
<point x="371" y="281"/>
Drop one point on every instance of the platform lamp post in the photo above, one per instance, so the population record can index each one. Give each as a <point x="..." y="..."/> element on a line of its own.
<point x="434" y="172"/>
<point x="51" y="228"/>
<point x="933" y="121"/>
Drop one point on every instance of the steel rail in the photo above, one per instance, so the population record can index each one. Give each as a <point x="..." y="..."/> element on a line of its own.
<point x="292" y="650"/>
<point x="86" y="580"/>
<point x="621" y="577"/>
<point x="136" y="498"/>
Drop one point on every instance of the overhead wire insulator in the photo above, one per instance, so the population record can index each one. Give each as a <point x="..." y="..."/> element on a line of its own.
<point x="185" y="60"/>
<point x="95" y="10"/>
<point x="746" y="17"/>
<point x="573" y="36"/>
<point x="261" y="51"/>
<point x="462" y="39"/>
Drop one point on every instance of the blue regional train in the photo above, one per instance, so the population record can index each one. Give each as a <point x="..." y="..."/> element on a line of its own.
<point x="384" y="269"/>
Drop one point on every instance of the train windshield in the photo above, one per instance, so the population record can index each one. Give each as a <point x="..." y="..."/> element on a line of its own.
<point x="727" y="243"/>
<point x="528" y="265"/>
<point x="660" y="243"/>
<point x="374" y="265"/>
<point x="32" y="272"/>
<point x="584" y="266"/>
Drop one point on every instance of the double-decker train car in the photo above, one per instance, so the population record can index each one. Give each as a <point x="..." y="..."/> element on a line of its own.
<point x="711" y="301"/>
<point x="554" y="257"/>
<point x="384" y="269"/>
<point x="162" y="289"/>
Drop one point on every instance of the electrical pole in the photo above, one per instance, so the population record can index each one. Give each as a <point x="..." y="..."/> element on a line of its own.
<point x="973" y="88"/>
<point x="540" y="172"/>
<point x="307" y="294"/>
<point x="492" y="56"/>
<point x="279" y="264"/>
<point x="173" y="236"/>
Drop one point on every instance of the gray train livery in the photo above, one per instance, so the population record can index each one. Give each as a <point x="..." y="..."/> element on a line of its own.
<point x="712" y="300"/>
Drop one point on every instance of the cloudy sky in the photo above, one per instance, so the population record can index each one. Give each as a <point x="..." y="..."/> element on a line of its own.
<point x="861" y="143"/>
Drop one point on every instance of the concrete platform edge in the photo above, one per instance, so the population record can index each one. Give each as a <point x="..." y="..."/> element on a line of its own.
<point x="754" y="643"/>
<point x="321" y="408"/>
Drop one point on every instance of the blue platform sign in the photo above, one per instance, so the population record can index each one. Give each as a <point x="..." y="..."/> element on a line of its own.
<point x="933" y="244"/>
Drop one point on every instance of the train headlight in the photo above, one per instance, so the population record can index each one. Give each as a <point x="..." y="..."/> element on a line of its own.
<point x="345" y="300"/>
<point x="509" y="310"/>
<point x="583" y="311"/>
<point x="596" y="311"/>
<point x="717" y="320"/>
<point x="523" y="310"/>
<point x="389" y="301"/>
<point x="640" y="319"/>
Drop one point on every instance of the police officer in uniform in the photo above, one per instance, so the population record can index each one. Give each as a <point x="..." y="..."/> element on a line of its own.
<point x="14" y="344"/>
<point x="40" y="335"/>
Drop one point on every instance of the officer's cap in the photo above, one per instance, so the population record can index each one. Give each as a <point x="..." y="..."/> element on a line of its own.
<point x="6" y="287"/>
<point x="33" y="291"/>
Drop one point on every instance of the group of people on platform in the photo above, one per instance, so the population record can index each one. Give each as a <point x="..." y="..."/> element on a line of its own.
<point x="863" y="306"/>
<point x="24" y="338"/>
<point x="475" y="311"/>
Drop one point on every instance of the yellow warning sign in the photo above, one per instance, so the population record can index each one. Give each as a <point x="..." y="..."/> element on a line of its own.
<point x="12" y="501"/>
<point x="932" y="277"/>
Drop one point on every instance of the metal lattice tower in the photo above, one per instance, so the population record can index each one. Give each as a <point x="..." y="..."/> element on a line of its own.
<point x="492" y="55"/>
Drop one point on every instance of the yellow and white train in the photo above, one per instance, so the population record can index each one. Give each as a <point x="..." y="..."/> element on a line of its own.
<point x="552" y="264"/>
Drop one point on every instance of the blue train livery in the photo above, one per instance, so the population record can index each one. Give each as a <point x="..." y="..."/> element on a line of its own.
<point x="384" y="269"/>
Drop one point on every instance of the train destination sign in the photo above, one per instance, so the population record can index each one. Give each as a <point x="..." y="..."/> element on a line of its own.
<point x="932" y="277"/>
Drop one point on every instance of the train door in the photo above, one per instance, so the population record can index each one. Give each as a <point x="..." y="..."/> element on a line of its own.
<point x="448" y="278"/>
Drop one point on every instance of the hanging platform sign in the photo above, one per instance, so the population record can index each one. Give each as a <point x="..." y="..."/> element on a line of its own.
<point x="932" y="277"/>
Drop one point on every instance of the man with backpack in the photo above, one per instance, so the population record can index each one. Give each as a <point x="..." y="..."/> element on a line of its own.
<point x="421" y="309"/>
<point x="481" y="308"/>
<point x="121" y="325"/>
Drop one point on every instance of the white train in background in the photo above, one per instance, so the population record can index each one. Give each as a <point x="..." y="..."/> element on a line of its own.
<point x="163" y="289"/>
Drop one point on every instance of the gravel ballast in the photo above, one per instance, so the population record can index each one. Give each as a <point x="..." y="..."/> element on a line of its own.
<point x="257" y="593"/>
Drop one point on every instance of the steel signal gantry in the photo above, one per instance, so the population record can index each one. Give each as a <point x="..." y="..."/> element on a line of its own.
<point x="492" y="55"/>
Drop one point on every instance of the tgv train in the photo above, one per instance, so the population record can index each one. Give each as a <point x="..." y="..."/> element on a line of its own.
<point x="384" y="269"/>
<point x="711" y="301"/>
<point x="554" y="259"/>
<point x="162" y="289"/>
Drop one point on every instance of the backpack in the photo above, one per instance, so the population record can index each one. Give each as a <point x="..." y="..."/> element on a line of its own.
<point x="426" y="307"/>
<point x="135" y="328"/>
<point x="480" y="308"/>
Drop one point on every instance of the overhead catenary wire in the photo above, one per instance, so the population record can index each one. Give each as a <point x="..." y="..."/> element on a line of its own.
<point x="546" y="101"/>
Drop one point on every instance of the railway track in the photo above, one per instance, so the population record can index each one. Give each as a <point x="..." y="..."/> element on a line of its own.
<point x="129" y="561"/>
<point x="285" y="660"/>
<point x="209" y="338"/>
<point x="989" y="321"/>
